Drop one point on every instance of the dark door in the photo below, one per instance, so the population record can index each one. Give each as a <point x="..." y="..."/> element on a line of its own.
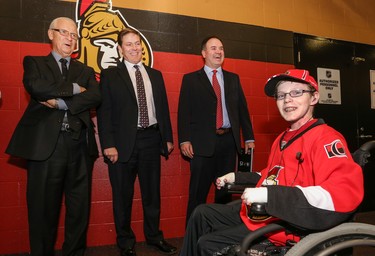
<point x="313" y="53"/>
<point x="364" y="61"/>
<point x="354" y="117"/>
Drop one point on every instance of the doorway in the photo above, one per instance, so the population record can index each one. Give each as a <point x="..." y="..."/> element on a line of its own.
<point x="354" y="117"/>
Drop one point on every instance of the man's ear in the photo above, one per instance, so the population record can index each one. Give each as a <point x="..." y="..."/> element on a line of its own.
<point x="203" y="52"/>
<point x="50" y="34"/>
<point x="315" y="98"/>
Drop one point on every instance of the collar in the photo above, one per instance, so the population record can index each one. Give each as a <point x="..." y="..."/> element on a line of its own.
<point x="209" y="70"/>
<point x="58" y="57"/>
<point x="130" y="65"/>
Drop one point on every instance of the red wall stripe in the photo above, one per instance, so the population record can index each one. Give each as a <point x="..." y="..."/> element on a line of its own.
<point x="175" y="171"/>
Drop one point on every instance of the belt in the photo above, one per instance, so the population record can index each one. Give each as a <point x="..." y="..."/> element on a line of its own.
<point x="222" y="131"/>
<point x="65" y="127"/>
<point x="151" y="127"/>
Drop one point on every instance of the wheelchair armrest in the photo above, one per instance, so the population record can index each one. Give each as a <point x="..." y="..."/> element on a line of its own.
<point x="258" y="209"/>
<point x="255" y="209"/>
<point x="236" y="188"/>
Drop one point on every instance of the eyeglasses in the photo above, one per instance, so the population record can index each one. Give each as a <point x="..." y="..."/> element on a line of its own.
<point x="292" y="93"/>
<point x="66" y="33"/>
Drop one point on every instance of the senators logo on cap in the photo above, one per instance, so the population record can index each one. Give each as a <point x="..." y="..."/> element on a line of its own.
<point x="293" y="75"/>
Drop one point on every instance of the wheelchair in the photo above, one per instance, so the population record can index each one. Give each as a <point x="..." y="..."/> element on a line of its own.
<point x="336" y="241"/>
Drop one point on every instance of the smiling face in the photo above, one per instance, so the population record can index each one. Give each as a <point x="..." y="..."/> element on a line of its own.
<point x="213" y="53"/>
<point x="131" y="48"/>
<point x="62" y="44"/>
<point x="299" y="110"/>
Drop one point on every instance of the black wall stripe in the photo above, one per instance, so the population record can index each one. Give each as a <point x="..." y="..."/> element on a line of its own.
<point x="27" y="21"/>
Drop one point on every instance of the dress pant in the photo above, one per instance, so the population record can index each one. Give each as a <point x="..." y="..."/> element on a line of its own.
<point x="213" y="227"/>
<point x="144" y="162"/>
<point x="204" y="171"/>
<point x="66" y="172"/>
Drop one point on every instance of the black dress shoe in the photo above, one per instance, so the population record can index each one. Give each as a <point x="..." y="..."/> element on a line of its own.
<point x="164" y="247"/>
<point x="128" y="252"/>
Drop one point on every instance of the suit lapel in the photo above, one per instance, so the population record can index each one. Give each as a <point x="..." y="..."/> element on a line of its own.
<point x="124" y="74"/>
<point x="226" y="84"/>
<point x="74" y="70"/>
<point x="52" y="64"/>
<point x="155" y="85"/>
<point x="206" y="82"/>
<point x="152" y="80"/>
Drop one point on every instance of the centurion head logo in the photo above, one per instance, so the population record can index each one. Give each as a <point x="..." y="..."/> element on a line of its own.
<point x="98" y="27"/>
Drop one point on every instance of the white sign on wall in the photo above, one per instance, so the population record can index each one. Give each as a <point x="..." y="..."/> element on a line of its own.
<point x="372" y="88"/>
<point x="329" y="86"/>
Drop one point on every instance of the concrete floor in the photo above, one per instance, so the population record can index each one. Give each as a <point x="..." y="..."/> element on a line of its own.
<point x="142" y="249"/>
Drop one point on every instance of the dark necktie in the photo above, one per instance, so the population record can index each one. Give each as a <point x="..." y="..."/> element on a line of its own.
<point x="219" y="107"/>
<point x="142" y="103"/>
<point x="64" y="68"/>
<point x="64" y="72"/>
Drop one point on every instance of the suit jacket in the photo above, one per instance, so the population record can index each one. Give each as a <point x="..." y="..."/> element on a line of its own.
<point x="118" y="112"/>
<point x="197" y="111"/>
<point x="37" y="132"/>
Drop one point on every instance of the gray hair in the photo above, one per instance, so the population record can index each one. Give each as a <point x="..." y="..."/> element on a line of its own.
<point x="56" y="20"/>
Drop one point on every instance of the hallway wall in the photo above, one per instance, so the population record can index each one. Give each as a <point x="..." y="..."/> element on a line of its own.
<point x="349" y="20"/>
<point x="255" y="49"/>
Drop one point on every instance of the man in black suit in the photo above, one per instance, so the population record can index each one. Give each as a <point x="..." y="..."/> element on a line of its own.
<point x="212" y="110"/>
<point x="134" y="129"/>
<point x="56" y="136"/>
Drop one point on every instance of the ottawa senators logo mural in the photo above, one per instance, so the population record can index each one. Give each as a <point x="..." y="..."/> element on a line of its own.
<point x="98" y="27"/>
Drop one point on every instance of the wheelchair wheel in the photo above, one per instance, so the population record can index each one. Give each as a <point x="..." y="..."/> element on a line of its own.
<point x="318" y="242"/>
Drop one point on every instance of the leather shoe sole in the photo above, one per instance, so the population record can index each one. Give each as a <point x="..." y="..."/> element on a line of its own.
<point x="164" y="247"/>
<point x="128" y="252"/>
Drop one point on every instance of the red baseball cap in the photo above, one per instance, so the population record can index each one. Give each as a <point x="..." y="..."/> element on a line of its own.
<point x="294" y="75"/>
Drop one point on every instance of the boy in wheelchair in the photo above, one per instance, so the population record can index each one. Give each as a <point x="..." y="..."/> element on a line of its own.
<point x="310" y="181"/>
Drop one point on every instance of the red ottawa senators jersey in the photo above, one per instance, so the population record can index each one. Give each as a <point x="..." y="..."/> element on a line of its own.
<point x="312" y="181"/>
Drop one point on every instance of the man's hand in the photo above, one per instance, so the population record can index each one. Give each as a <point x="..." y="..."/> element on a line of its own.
<point x="170" y="147"/>
<point x="51" y="103"/>
<point x="227" y="178"/>
<point x="82" y="89"/>
<point x="111" y="154"/>
<point x="187" y="149"/>
<point x="249" y="145"/>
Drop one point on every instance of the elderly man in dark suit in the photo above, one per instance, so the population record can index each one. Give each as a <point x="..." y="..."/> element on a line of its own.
<point x="212" y="110"/>
<point x="134" y="129"/>
<point x="56" y="136"/>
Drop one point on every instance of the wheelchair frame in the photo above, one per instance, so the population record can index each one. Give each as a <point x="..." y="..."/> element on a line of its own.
<point x="345" y="235"/>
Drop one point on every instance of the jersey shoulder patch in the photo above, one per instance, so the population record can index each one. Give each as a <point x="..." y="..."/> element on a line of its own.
<point x="335" y="149"/>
